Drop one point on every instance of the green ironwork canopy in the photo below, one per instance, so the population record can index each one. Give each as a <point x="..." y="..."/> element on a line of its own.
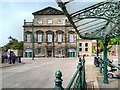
<point x="93" y="20"/>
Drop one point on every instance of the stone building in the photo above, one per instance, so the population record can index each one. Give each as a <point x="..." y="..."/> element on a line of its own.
<point x="53" y="35"/>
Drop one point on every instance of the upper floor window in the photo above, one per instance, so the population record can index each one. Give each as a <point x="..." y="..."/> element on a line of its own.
<point x="39" y="21"/>
<point x="28" y="38"/>
<point x="80" y="44"/>
<point x="59" y="21"/>
<point x="80" y="49"/>
<point x="71" y="38"/>
<point x="86" y="44"/>
<point x="49" y="37"/>
<point x="39" y="37"/>
<point x="59" y="37"/>
<point x="86" y="49"/>
<point x="49" y="21"/>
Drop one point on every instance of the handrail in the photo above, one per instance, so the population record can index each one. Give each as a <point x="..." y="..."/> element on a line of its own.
<point x="73" y="78"/>
<point x="113" y="65"/>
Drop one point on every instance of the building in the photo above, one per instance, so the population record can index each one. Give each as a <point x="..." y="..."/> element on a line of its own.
<point x="53" y="36"/>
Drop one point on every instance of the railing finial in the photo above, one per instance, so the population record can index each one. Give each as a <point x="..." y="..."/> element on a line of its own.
<point x="58" y="80"/>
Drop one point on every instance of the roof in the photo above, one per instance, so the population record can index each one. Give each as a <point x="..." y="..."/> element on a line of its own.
<point x="48" y="11"/>
<point x="93" y="20"/>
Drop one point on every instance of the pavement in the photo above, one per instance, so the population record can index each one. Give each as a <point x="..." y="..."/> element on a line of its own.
<point x="40" y="73"/>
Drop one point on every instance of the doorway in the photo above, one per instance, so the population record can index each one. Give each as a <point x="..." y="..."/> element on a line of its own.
<point x="49" y="52"/>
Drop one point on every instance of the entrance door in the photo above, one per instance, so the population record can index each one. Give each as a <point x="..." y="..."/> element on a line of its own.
<point x="49" y="53"/>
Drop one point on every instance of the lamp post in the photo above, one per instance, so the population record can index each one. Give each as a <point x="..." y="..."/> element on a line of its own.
<point x="10" y="48"/>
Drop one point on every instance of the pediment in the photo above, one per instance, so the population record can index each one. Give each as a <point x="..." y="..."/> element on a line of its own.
<point x="48" y="11"/>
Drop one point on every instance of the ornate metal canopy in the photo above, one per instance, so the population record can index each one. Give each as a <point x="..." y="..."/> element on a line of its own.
<point x="93" y="20"/>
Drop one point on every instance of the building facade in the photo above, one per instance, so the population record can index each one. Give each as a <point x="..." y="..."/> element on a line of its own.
<point x="53" y="35"/>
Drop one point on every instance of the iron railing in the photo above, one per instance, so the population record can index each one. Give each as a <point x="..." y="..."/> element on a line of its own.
<point x="77" y="81"/>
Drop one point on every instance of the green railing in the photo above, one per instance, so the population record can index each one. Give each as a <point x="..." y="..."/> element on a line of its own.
<point x="107" y="63"/>
<point x="77" y="81"/>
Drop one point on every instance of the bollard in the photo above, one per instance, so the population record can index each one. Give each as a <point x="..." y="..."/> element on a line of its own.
<point x="19" y="59"/>
<point x="58" y="81"/>
<point x="13" y="60"/>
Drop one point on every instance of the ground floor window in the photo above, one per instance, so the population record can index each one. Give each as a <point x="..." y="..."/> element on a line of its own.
<point x="39" y="50"/>
<point x="86" y="49"/>
<point x="71" y="52"/>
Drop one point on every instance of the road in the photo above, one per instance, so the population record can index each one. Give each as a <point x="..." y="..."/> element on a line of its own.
<point x="39" y="73"/>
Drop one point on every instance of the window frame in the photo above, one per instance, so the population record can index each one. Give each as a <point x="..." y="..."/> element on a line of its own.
<point x="71" y="37"/>
<point x="86" y="45"/>
<point x="39" y="49"/>
<point x="60" y="22"/>
<point x="40" y="22"/>
<point x="28" y="40"/>
<point x="41" y="38"/>
<point x="58" y="37"/>
<point x="86" y="50"/>
<point x="48" y="38"/>
<point x="49" y="20"/>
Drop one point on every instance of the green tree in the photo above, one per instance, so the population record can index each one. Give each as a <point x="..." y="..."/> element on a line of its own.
<point x="14" y="44"/>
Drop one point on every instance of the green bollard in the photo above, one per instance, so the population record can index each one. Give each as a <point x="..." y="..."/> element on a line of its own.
<point x="58" y="81"/>
<point x="100" y="63"/>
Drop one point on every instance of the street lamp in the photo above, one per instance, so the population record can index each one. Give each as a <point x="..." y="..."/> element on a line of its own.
<point x="10" y="48"/>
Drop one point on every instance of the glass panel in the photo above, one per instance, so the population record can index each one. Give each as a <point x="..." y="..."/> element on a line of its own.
<point x="86" y="49"/>
<point x="80" y="44"/>
<point x="77" y="5"/>
<point x="59" y="37"/>
<point x="49" y="37"/>
<point x="28" y="38"/>
<point x="39" y="37"/>
<point x="71" y="39"/>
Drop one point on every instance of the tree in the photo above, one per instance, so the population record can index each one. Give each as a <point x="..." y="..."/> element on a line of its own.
<point x="14" y="44"/>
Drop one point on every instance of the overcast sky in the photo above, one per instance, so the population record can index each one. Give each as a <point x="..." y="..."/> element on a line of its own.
<point x="13" y="13"/>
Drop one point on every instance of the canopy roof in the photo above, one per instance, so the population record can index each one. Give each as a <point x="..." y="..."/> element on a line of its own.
<point x="93" y="20"/>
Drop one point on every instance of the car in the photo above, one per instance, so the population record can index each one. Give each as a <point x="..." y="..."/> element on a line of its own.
<point x="112" y="75"/>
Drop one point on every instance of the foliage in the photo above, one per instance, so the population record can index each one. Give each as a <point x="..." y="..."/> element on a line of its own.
<point x="93" y="49"/>
<point x="110" y="43"/>
<point x="13" y="44"/>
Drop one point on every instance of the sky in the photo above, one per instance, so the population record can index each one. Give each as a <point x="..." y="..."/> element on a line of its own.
<point x="13" y="13"/>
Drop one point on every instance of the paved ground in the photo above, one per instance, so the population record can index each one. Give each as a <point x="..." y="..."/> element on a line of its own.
<point x="39" y="73"/>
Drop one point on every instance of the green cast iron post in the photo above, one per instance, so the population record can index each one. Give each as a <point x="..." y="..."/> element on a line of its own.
<point x="78" y="45"/>
<point x="32" y="44"/>
<point x="58" y="81"/>
<point x="105" y="63"/>
<point x="100" y="63"/>
<point x="80" y="76"/>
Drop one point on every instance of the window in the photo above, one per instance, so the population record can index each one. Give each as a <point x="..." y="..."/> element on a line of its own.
<point x="39" y="50"/>
<point x="86" y="44"/>
<point x="71" y="39"/>
<point x="86" y="49"/>
<point x="59" y="37"/>
<point x="80" y="44"/>
<point x="28" y="38"/>
<point x="59" y="21"/>
<point x="49" y="21"/>
<point x="80" y="49"/>
<point x="39" y="37"/>
<point x="59" y="51"/>
<point x="49" y="38"/>
<point x="39" y="21"/>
